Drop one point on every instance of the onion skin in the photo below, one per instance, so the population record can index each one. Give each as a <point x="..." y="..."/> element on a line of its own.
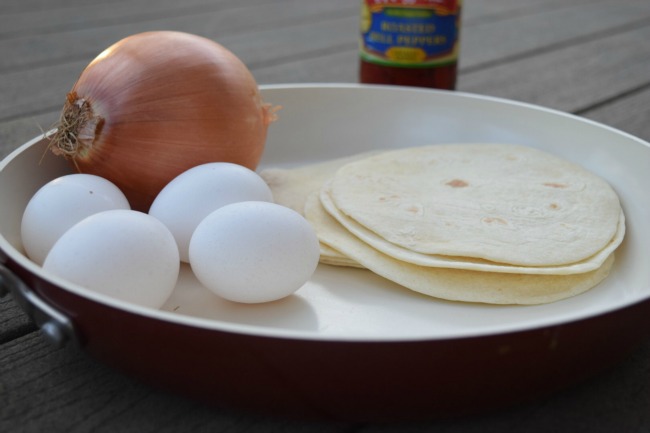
<point x="156" y="104"/>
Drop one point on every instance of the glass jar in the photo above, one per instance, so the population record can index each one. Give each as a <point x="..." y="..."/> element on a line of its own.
<point x="410" y="42"/>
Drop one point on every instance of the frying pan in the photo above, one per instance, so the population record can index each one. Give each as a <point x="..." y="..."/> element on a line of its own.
<point x="350" y="345"/>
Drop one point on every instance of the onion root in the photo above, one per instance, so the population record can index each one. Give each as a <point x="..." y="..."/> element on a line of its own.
<point x="76" y="128"/>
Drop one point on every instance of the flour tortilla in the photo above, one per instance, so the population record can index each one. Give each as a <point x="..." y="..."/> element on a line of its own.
<point x="453" y="284"/>
<point x="436" y="260"/>
<point x="499" y="202"/>
<point x="292" y="186"/>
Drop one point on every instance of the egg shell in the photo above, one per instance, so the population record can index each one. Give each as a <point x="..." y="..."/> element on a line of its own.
<point x="254" y="252"/>
<point x="125" y="254"/>
<point x="197" y="192"/>
<point x="60" y="204"/>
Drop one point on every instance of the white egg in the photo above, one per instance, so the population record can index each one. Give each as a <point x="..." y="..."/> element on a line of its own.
<point x="254" y="252"/>
<point x="60" y="204"/>
<point x="125" y="254"/>
<point x="197" y="192"/>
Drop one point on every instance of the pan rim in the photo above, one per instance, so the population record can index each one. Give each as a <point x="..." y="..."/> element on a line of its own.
<point x="266" y="332"/>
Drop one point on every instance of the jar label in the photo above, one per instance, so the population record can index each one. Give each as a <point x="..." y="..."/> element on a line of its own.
<point x="411" y="33"/>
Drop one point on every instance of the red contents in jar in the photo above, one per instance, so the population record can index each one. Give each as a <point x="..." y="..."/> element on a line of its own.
<point x="441" y="77"/>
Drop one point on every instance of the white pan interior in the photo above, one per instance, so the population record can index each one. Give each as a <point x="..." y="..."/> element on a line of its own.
<point x="319" y="122"/>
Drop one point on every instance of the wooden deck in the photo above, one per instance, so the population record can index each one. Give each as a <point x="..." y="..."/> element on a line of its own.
<point x="587" y="57"/>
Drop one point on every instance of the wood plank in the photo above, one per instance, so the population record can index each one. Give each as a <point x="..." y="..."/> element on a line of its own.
<point x="274" y="49"/>
<point x="337" y="66"/>
<point x="548" y="29"/>
<point x="87" y="15"/>
<point x="84" y="44"/>
<point x="275" y="45"/>
<point x="477" y="11"/>
<point x="14" y="133"/>
<point x="525" y="79"/>
<point x="491" y="38"/>
<point x="571" y="78"/>
<point x="18" y="6"/>
<point x="629" y="113"/>
<point x="493" y="7"/>
<point x="341" y="64"/>
<point x="13" y="322"/>
<point x="37" y="90"/>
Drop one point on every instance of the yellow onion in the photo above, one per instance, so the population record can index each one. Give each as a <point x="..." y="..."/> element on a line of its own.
<point x="156" y="104"/>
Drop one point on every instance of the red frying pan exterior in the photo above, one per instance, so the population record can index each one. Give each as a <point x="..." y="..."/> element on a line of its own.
<point x="348" y="380"/>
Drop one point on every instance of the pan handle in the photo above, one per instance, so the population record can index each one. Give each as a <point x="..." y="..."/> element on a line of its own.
<point x="57" y="328"/>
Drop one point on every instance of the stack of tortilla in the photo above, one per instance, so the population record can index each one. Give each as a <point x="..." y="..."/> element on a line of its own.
<point x="479" y="222"/>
